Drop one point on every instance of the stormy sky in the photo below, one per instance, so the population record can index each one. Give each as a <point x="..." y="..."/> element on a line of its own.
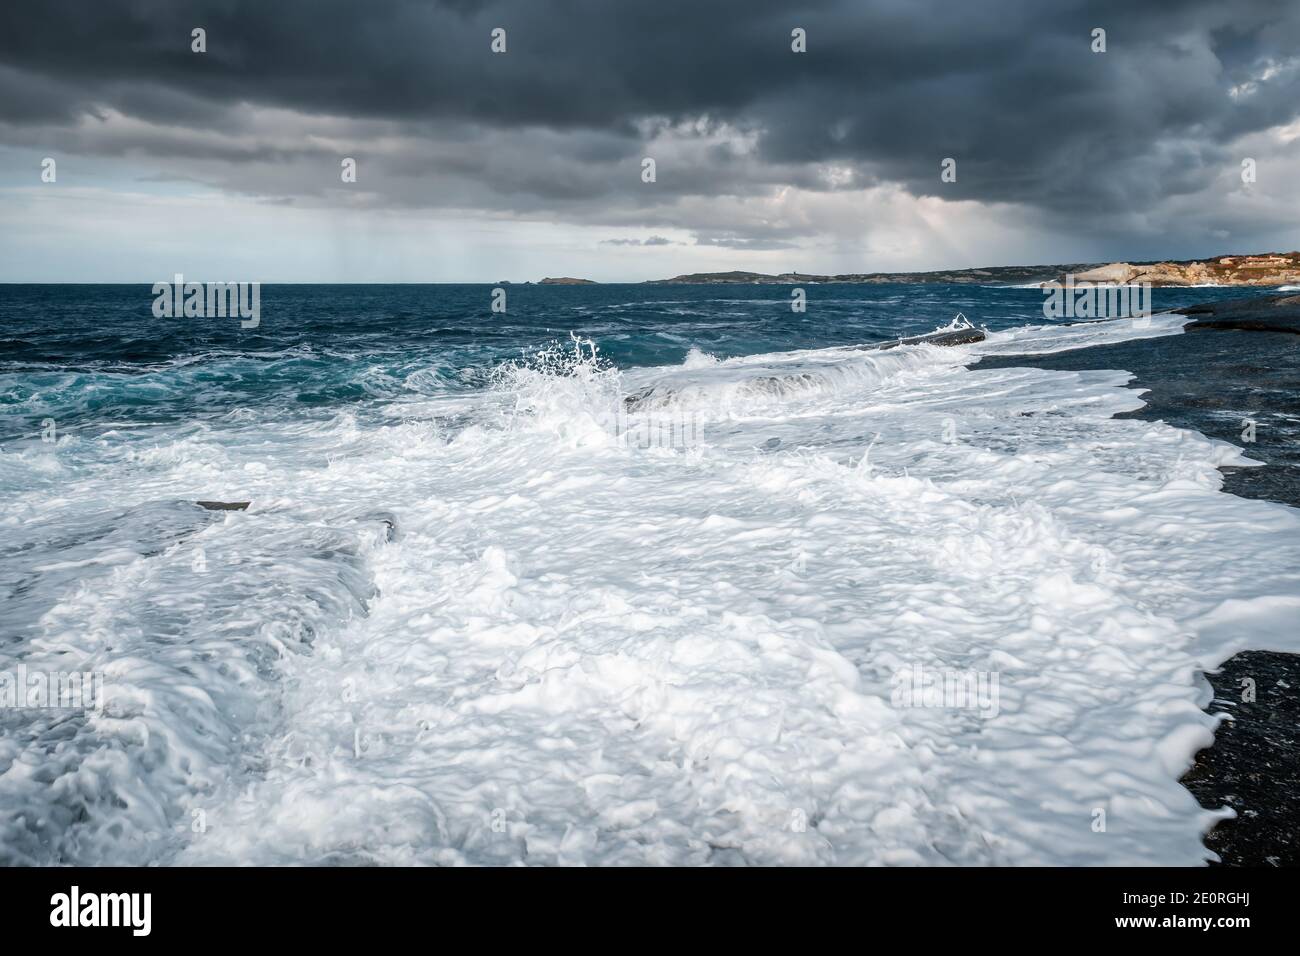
<point x="474" y="165"/>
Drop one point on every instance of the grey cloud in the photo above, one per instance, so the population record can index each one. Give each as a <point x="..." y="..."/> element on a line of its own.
<point x="650" y="241"/>
<point x="739" y="242"/>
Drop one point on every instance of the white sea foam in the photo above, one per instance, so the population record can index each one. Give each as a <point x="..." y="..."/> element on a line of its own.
<point x="502" y="636"/>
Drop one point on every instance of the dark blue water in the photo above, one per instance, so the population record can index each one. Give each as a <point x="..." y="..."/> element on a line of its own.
<point x="95" y="355"/>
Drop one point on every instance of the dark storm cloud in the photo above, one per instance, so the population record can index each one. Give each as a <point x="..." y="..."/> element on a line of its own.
<point x="1008" y="88"/>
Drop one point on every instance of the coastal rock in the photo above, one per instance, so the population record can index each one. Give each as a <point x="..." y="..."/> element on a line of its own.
<point x="1266" y="269"/>
<point x="1116" y="273"/>
<point x="954" y="337"/>
<point x="1264" y="313"/>
<point x="566" y="280"/>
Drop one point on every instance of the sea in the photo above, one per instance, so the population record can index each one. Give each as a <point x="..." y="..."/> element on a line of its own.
<point x="623" y="574"/>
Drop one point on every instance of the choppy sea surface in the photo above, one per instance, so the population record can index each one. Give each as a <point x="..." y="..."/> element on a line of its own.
<point x="466" y="619"/>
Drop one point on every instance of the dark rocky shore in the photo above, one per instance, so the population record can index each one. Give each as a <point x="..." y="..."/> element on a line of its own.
<point x="1254" y="765"/>
<point x="1260" y="313"/>
<point x="1238" y="362"/>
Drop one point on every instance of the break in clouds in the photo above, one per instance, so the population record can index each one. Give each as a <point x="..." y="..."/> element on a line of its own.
<point x="1060" y="150"/>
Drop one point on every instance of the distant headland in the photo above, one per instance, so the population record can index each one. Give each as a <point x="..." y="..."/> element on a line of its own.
<point x="1258" y="269"/>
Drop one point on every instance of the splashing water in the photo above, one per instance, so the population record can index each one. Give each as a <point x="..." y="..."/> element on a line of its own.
<point x="460" y="624"/>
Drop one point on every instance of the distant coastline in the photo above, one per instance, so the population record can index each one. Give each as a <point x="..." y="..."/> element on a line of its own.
<point x="1256" y="269"/>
